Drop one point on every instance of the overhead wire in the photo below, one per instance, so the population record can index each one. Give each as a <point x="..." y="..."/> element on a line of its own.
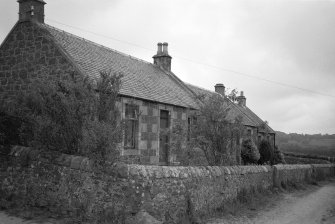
<point x="197" y="62"/>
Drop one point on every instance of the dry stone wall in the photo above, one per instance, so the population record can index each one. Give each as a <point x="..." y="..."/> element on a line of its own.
<point x="67" y="185"/>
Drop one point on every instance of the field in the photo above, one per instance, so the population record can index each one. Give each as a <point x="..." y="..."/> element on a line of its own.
<point x="319" y="145"/>
<point x="311" y="150"/>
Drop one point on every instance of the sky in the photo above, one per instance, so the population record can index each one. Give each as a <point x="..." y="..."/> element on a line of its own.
<point x="280" y="53"/>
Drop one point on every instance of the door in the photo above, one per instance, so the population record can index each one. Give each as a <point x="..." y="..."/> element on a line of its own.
<point x="164" y="137"/>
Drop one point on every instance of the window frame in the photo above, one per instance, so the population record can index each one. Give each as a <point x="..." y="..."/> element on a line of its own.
<point x="131" y="118"/>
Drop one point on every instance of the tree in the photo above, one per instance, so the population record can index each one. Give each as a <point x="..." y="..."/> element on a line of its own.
<point x="249" y="152"/>
<point x="214" y="133"/>
<point x="278" y="156"/>
<point x="76" y="115"/>
<point x="266" y="152"/>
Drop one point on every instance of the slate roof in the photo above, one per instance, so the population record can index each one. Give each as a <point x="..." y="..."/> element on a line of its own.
<point x="257" y="120"/>
<point x="248" y="116"/>
<point x="233" y="109"/>
<point x="141" y="79"/>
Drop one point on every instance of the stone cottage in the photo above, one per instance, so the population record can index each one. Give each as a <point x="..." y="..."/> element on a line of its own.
<point x="152" y="96"/>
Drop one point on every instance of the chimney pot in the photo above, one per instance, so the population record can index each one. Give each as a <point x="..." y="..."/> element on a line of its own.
<point x="159" y="49"/>
<point x="165" y="48"/>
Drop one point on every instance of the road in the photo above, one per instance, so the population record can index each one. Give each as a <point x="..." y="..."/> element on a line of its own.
<point x="314" y="206"/>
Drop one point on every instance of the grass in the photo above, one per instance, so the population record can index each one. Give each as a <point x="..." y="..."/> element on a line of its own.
<point x="250" y="202"/>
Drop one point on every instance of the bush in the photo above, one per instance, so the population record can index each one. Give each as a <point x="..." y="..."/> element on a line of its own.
<point x="249" y="152"/>
<point x="278" y="156"/>
<point x="73" y="116"/>
<point x="266" y="152"/>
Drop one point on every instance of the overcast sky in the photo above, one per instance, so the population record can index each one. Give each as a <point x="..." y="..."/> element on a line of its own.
<point x="288" y="42"/>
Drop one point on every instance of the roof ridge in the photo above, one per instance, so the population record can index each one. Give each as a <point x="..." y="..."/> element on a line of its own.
<point x="94" y="43"/>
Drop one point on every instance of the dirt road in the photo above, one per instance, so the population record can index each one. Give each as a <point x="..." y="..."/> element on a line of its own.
<point x="314" y="206"/>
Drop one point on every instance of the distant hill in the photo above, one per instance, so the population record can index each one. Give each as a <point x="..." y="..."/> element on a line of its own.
<point x="317" y="144"/>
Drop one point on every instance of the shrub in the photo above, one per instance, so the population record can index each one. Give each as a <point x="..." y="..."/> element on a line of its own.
<point x="249" y="152"/>
<point x="278" y="156"/>
<point x="12" y="130"/>
<point x="73" y="116"/>
<point x="266" y="152"/>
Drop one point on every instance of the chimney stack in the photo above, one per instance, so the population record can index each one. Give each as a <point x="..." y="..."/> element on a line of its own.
<point x="31" y="10"/>
<point x="220" y="88"/>
<point x="241" y="100"/>
<point x="162" y="58"/>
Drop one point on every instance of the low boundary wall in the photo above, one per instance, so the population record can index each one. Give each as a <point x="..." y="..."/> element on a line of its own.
<point x="67" y="185"/>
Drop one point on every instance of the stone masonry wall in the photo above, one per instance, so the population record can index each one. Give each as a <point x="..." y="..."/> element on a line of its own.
<point x="66" y="185"/>
<point x="26" y="54"/>
<point x="147" y="150"/>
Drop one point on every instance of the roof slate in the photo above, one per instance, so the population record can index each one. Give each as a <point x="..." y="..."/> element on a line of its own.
<point x="258" y="121"/>
<point x="141" y="79"/>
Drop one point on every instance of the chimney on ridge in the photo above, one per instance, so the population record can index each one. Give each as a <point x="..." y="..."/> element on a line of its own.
<point x="220" y="88"/>
<point x="162" y="58"/>
<point x="31" y="10"/>
<point x="241" y="100"/>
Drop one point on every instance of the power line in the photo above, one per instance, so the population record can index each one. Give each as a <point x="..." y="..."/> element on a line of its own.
<point x="198" y="62"/>
<point x="102" y="35"/>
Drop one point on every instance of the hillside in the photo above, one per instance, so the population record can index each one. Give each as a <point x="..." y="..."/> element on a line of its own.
<point x="316" y="144"/>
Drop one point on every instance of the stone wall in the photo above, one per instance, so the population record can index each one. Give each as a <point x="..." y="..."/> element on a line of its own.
<point x="67" y="185"/>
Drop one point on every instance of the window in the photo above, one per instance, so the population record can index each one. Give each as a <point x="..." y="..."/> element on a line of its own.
<point x="131" y="126"/>
<point x="237" y="137"/>
<point x="249" y="133"/>
<point x="188" y="129"/>
<point x="191" y="122"/>
<point x="164" y="119"/>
